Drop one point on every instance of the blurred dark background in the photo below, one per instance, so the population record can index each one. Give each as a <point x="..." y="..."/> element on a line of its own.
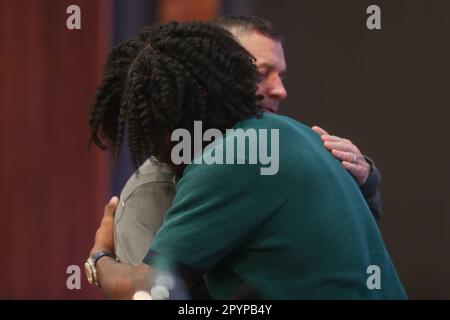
<point x="387" y="90"/>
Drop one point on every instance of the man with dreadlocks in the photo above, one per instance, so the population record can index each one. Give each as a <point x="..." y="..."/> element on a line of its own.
<point x="305" y="232"/>
<point x="147" y="196"/>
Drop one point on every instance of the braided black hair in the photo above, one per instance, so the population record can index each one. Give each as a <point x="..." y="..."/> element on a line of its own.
<point x="166" y="78"/>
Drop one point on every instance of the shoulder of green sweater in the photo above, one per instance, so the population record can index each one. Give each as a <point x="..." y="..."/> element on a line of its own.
<point x="268" y="120"/>
<point x="247" y="171"/>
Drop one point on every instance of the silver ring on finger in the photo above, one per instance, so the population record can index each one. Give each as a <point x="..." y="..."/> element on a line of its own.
<point x="354" y="158"/>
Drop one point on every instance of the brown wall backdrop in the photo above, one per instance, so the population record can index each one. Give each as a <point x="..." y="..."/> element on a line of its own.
<point x="389" y="92"/>
<point x="183" y="10"/>
<point x="51" y="192"/>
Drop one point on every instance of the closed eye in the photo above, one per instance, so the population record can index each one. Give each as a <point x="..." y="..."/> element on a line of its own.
<point x="263" y="73"/>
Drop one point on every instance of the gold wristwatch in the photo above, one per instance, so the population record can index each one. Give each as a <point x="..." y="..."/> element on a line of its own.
<point x="91" y="269"/>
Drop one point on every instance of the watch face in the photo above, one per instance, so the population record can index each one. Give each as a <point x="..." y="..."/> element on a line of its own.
<point x="89" y="273"/>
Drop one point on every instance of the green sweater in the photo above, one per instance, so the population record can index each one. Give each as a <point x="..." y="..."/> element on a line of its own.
<point x="303" y="233"/>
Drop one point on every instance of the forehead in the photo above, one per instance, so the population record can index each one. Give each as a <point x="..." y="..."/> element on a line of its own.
<point x="266" y="51"/>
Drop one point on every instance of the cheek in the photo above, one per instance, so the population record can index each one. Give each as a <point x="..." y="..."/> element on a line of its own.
<point x="261" y="89"/>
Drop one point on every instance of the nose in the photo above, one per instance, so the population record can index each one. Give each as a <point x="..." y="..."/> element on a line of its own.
<point x="276" y="91"/>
